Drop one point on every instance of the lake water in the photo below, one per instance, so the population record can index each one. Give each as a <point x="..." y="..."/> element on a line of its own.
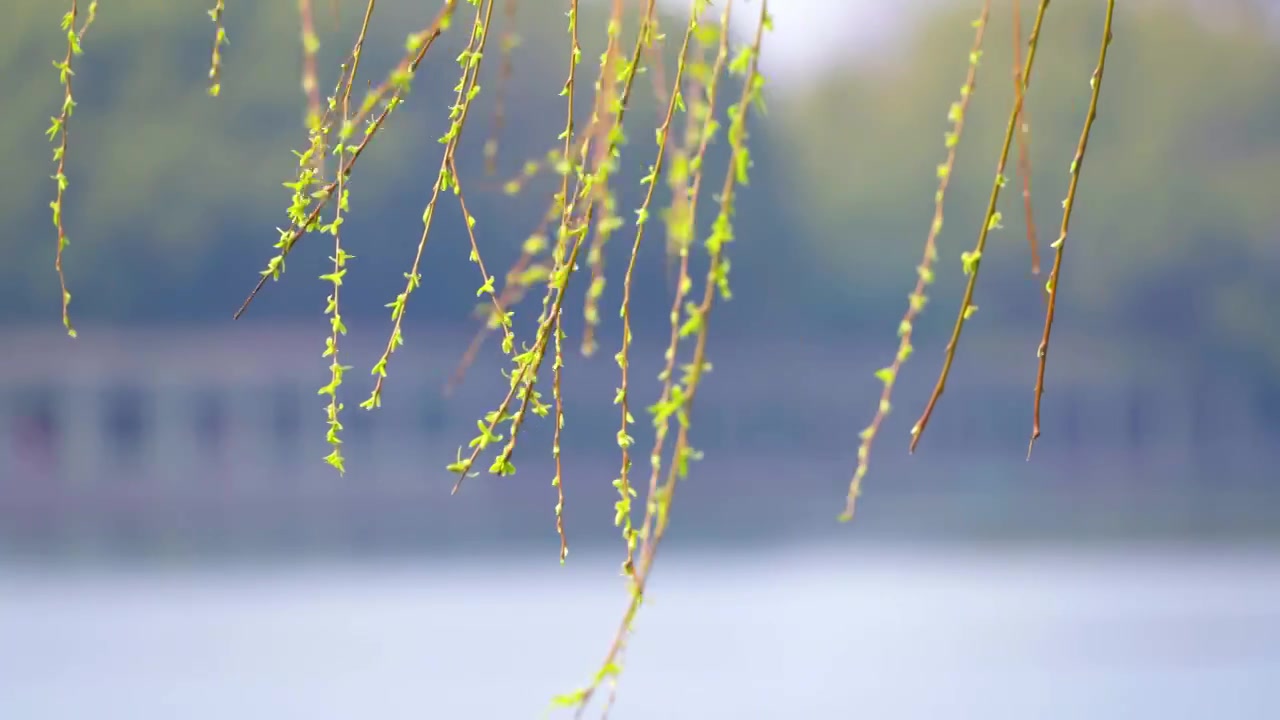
<point x="802" y="632"/>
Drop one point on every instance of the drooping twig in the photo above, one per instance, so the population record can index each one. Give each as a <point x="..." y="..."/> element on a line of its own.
<point x="557" y="364"/>
<point x="519" y="278"/>
<point x="396" y="85"/>
<point x="972" y="261"/>
<point x="557" y="369"/>
<point x="467" y="88"/>
<point x="310" y="75"/>
<point x="658" y="511"/>
<point x="508" y="43"/>
<point x="622" y="398"/>
<point x="657" y="68"/>
<point x="606" y="94"/>
<point x="1024" y="129"/>
<point x="924" y="271"/>
<point x="702" y="128"/>
<point x="1068" y="204"/>
<point x="524" y="378"/>
<point x="58" y="132"/>
<point x="219" y="39"/>
<point x="680" y="172"/>
<point x="523" y="273"/>
<point x="337" y="328"/>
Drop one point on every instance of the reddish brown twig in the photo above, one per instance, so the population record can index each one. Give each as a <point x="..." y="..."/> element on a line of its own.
<point x="973" y="260"/>
<point x="394" y="87"/>
<point x="507" y="45"/>
<point x="1024" y="129"/>
<point x="310" y="81"/>
<point x="924" y="271"/>
<point x="1067" y="205"/>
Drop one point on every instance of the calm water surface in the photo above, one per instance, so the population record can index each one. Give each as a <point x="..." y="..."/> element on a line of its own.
<point x="801" y="633"/>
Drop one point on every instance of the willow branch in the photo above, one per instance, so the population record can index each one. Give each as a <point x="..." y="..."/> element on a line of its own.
<point x="1024" y="150"/>
<point x="973" y="260"/>
<point x="1068" y="205"/>
<point x="924" y="271"/>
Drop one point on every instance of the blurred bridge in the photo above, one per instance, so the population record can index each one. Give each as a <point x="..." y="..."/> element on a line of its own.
<point x="224" y="430"/>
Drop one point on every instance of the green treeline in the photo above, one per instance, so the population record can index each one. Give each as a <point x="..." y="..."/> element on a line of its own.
<point x="174" y="195"/>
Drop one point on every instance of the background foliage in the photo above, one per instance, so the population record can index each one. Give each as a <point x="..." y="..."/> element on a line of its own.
<point x="172" y="190"/>
<point x="174" y="195"/>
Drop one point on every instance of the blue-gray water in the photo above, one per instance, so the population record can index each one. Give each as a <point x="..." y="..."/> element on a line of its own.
<point x="803" y="632"/>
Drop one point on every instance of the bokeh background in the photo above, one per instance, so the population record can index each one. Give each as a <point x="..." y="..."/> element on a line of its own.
<point x="172" y="545"/>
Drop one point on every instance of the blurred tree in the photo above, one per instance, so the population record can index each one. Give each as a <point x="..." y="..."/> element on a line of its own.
<point x="1177" y="230"/>
<point x="174" y="194"/>
<point x="174" y="188"/>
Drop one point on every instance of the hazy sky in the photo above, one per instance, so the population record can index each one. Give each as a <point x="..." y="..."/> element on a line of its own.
<point x="806" y="31"/>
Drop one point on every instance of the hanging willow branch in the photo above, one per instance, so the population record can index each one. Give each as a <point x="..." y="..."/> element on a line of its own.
<point x="924" y="271"/>
<point x="1059" y="245"/>
<point x="1024" y="129"/>
<point x="508" y="42"/>
<point x="972" y="261"/>
<point x="219" y="39"/>
<point x="573" y="225"/>
<point x="581" y="216"/>
<point x="680" y="402"/>
<point x="57" y="132"/>
<point x="310" y="78"/>
<point x="303" y="215"/>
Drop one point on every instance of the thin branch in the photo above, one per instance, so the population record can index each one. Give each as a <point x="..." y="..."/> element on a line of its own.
<point x="396" y="85"/>
<point x="468" y="87"/>
<point x="1068" y="205"/>
<point x="1024" y="129"/>
<point x="57" y="132"/>
<point x="657" y="514"/>
<point x="310" y="76"/>
<point x="557" y="364"/>
<point x="525" y="377"/>
<point x="623" y="398"/>
<point x="219" y="39"/>
<point x="606" y="93"/>
<point x="510" y="40"/>
<point x="924" y="271"/>
<point x="973" y="260"/>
